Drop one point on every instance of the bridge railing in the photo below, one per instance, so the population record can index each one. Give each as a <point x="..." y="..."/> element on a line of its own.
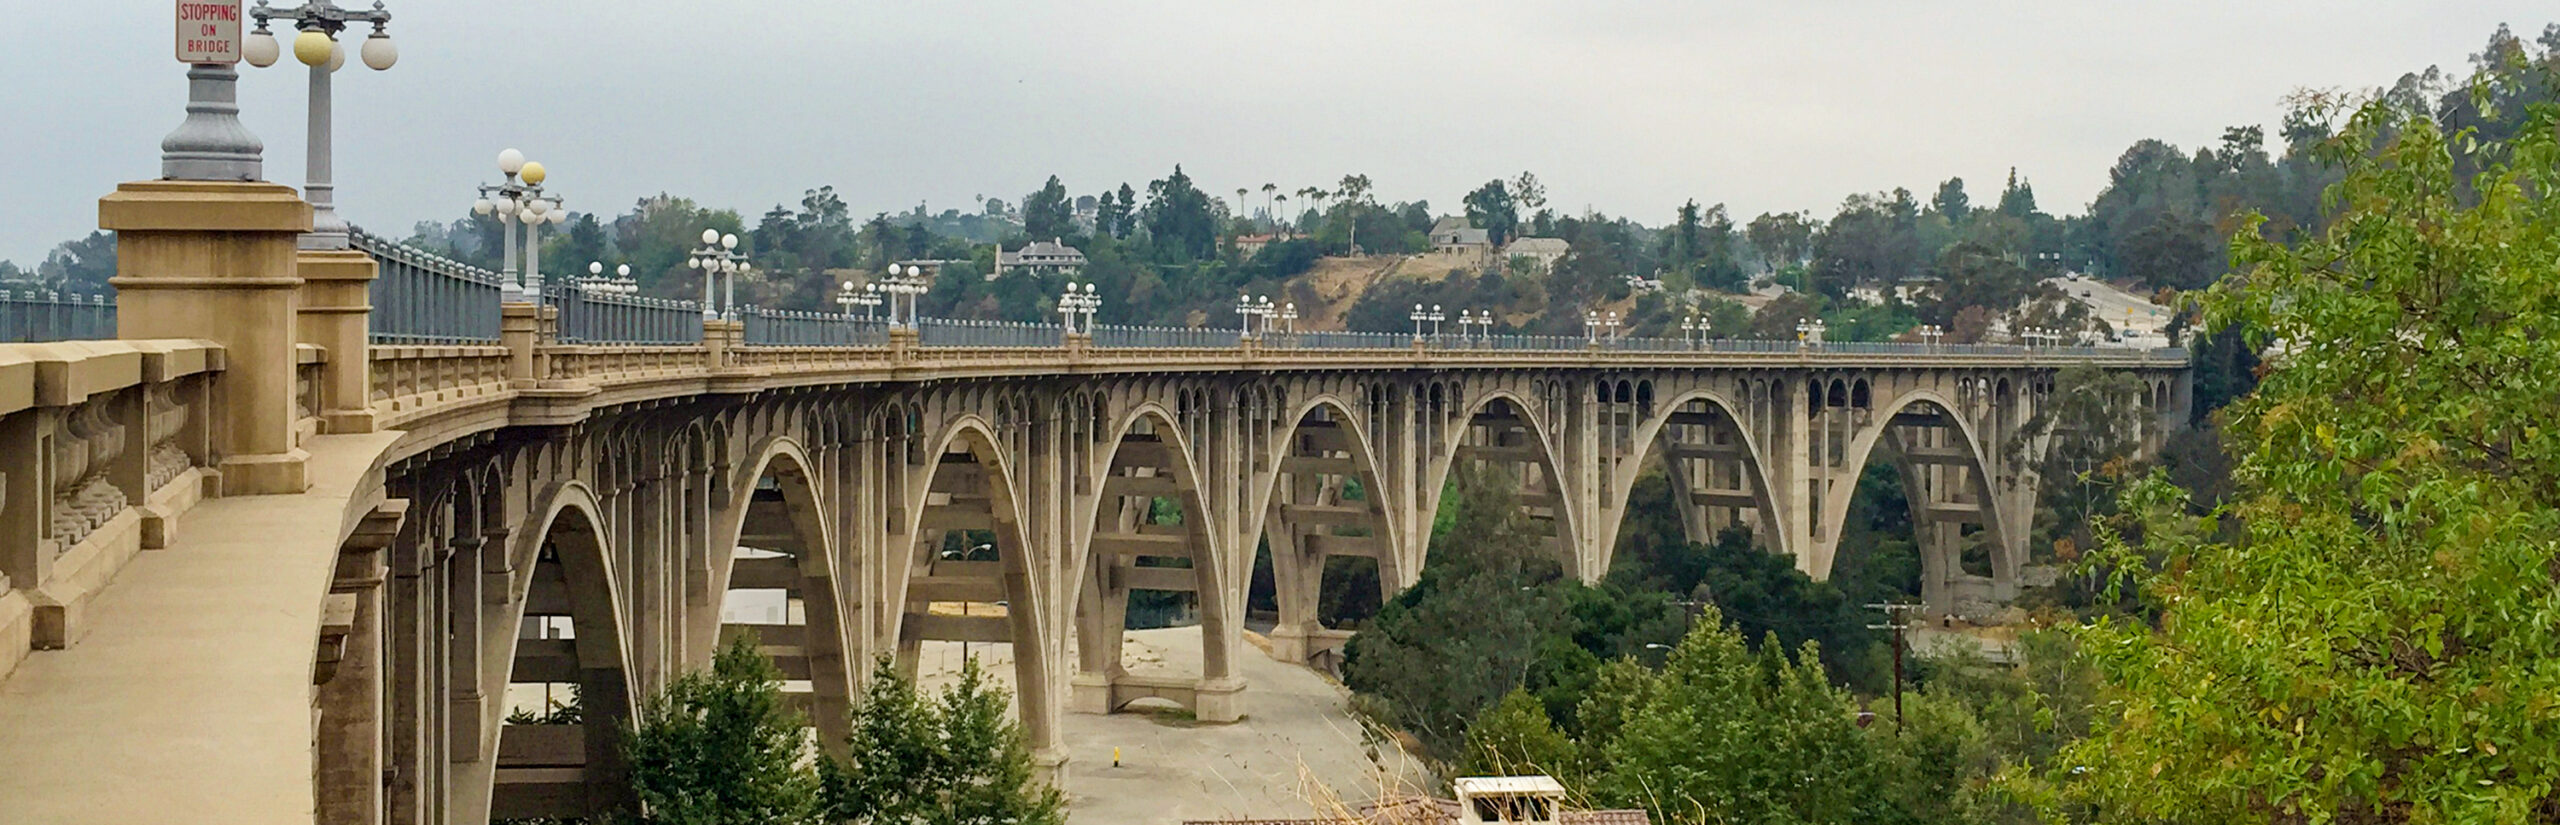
<point x="1116" y="336"/>
<point x="938" y="332"/>
<point x="798" y="328"/>
<point x="102" y="447"/>
<point x="420" y="297"/>
<point x="595" y="316"/>
<point x="30" y="315"/>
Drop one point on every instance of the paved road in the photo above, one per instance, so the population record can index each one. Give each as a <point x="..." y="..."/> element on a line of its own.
<point x="2109" y="304"/>
<point x="1296" y="750"/>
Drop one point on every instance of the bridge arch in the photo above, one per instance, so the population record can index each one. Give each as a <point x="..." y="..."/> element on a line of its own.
<point x="1732" y="474"/>
<point x="1148" y="454"/>
<point x="1299" y="506"/>
<point x="1949" y="480"/>
<point x="564" y="571"/>
<point x="774" y="536"/>
<point x="1514" y="432"/>
<point x="965" y="483"/>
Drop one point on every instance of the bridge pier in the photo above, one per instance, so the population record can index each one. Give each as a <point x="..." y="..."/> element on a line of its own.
<point x="216" y="261"/>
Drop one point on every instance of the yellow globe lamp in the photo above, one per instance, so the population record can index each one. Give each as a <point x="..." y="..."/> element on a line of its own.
<point x="313" y="48"/>
<point x="533" y="172"/>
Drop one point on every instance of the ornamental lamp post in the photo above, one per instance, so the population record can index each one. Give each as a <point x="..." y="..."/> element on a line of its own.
<point x="909" y="282"/>
<point x="596" y="282"/>
<point x="1244" y="317"/>
<point x="519" y="202"/>
<point x="1693" y="330"/>
<point x="718" y="256"/>
<point x="867" y="297"/>
<point x="319" y="22"/>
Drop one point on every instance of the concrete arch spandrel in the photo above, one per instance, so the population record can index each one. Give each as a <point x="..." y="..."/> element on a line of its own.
<point x="1366" y="462"/>
<point x="1551" y="458"/>
<point x="1861" y="449"/>
<point x="1775" y="521"/>
<point x="787" y="461"/>
<point x="1100" y="685"/>
<point x="1035" y="639"/>
<point x="569" y="517"/>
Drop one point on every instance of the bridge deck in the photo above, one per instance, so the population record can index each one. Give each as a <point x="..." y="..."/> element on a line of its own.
<point x="190" y="699"/>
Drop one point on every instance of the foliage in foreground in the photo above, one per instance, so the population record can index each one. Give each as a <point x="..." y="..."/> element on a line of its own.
<point x="721" y="748"/>
<point x="2376" y="642"/>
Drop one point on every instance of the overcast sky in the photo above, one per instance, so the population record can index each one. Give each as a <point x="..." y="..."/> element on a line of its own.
<point x="1627" y="107"/>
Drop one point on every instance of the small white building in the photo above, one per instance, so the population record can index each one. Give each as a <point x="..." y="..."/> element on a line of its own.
<point x="1544" y="252"/>
<point x="1459" y="236"/>
<point x="1042" y="257"/>
<point x="1510" y="800"/>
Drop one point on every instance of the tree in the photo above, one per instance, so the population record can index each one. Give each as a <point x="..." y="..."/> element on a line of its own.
<point x="2018" y="198"/>
<point x="1528" y="192"/>
<point x="1515" y="737"/>
<point x="1782" y="239"/>
<point x="1492" y="209"/>
<point x="1179" y="220"/>
<point x="82" y="265"/>
<point x="1726" y="735"/>
<point x="1951" y="200"/>
<point x="720" y="747"/>
<point x="2365" y="645"/>
<point x="1479" y="601"/>
<point x="959" y="760"/>
<point x="1048" y="213"/>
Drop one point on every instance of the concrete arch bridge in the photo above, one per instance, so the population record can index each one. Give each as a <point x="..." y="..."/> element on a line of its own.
<point x="275" y="560"/>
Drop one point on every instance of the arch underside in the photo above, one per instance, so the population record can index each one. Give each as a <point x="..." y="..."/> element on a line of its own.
<point x="1137" y="543"/>
<point x="779" y="586"/>
<point x="567" y="652"/>
<point x="1954" y="507"/>
<point x="1310" y="519"/>
<point x="1504" y="435"/>
<point x="969" y="572"/>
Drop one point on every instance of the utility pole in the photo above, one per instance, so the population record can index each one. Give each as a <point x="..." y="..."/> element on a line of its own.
<point x="1896" y="619"/>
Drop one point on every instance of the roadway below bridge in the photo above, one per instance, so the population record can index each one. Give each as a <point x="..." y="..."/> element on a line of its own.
<point x="1298" y="751"/>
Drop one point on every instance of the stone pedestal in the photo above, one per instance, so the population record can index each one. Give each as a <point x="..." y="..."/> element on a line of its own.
<point x="1289" y="643"/>
<point x="336" y="306"/>
<point x="1218" y="700"/>
<point x="215" y="261"/>
<point x="903" y="342"/>
<point x="723" y="338"/>
<point x="1089" y="693"/>
<point x="520" y="329"/>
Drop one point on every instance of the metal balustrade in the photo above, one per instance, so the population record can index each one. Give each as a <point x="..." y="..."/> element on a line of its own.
<point x="39" y="315"/>
<point x="1113" y="335"/>
<point x="420" y="297"/>
<point x="939" y="332"/>
<point x="593" y="316"/>
<point x="799" y="328"/>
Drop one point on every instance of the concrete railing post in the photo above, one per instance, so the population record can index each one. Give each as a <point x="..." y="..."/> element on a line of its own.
<point x="520" y="330"/>
<point x="903" y="342"/>
<point x="215" y="260"/>
<point x="336" y="309"/>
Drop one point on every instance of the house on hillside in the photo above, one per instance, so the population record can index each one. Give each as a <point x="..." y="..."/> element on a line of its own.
<point x="1542" y="253"/>
<point x="1251" y="245"/>
<point x="1051" y="256"/>
<point x="1459" y="236"/>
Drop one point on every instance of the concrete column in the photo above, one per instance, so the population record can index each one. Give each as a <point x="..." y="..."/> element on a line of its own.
<point x="336" y="307"/>
<point x="520" y="329"/>
<point x="350" y="740"/>
<point x="215" y="260"/>
<point x="468" y="707"/>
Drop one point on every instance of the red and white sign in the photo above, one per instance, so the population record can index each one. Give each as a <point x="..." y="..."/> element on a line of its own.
<point x="208" y="31"/>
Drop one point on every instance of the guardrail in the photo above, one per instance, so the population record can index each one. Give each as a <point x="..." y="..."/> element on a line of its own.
<point x="797" y="328"/>
<point x="420" y="297"/>
<point x="102" y="447"/>
<point x="590" y="316"/>
<point x="30" y="315"/>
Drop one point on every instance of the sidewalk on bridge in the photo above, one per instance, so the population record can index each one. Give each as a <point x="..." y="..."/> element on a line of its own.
<point x="189" y="700"/>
